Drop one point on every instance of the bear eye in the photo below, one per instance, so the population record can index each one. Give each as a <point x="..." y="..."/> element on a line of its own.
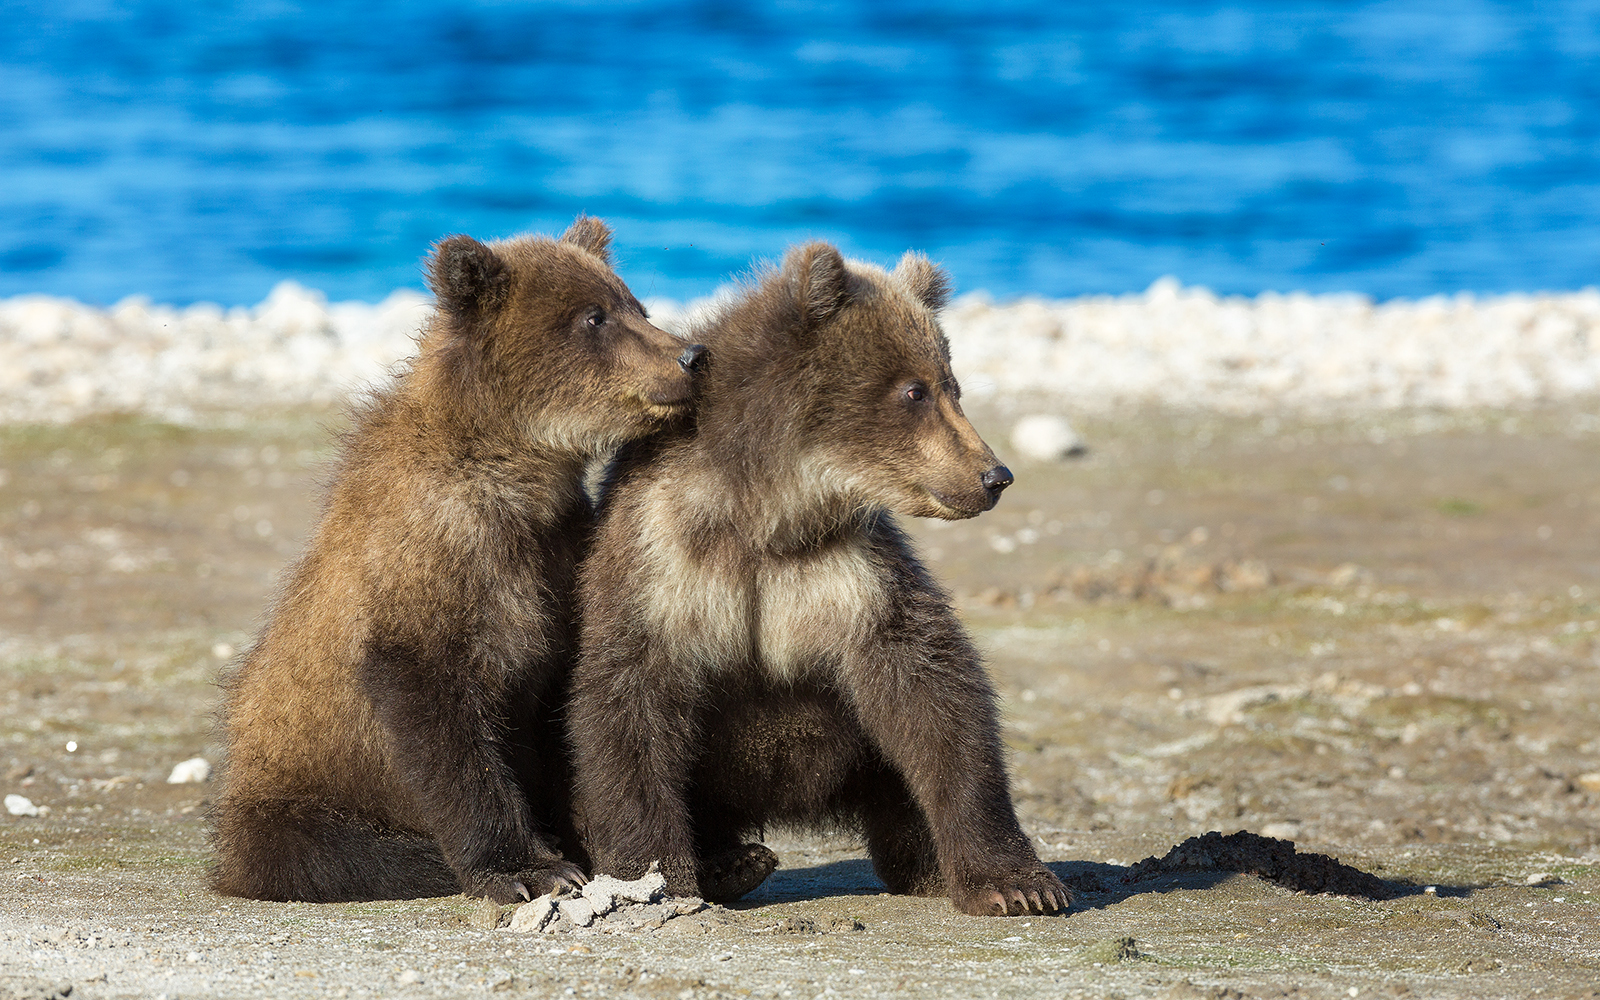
<point x="596" y="319"/>
<point x="916" y="393"/>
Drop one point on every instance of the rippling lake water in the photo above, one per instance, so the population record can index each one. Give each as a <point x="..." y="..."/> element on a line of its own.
<point x="190" y="151"/>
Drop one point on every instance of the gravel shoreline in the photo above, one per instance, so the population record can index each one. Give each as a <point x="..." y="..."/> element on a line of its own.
<point x="61" y="360"/>
<point x="1385" y="649"/>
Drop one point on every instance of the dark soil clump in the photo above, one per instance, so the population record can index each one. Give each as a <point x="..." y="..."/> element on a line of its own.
<point x="1268" y="858"/>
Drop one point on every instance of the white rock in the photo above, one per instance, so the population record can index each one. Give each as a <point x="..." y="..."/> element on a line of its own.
<point x="645" y="889"/>
<point x="192" y="771"/>
<point x="18" y="805"/>
<point x="530" y="917"/>
<point x="578" y="911"/>
<point x="409" y="977"/>
<point x="1045" y="437"/>
<point x="602" y="901"/>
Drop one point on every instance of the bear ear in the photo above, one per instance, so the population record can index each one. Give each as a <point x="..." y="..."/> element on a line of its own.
<point x="467" y="277"/>
<point x="924" y="279"/>
<point x="592" y="235"/>
<point x="818" y="279"/>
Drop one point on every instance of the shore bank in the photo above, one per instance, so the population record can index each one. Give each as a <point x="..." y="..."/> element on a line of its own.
<point x="1173" y="346"/>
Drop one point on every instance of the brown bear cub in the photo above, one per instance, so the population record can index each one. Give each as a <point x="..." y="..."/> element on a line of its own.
<point x="760" y="644"/>
<point x="396" y="731"/>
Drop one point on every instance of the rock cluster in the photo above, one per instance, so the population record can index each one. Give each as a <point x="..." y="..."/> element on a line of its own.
<point x="1189" y="348"/>
<point x="61" y="360"/>
<point x="607" y="904"/>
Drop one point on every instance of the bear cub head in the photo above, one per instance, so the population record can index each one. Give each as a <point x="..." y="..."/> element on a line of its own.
<point x="544" y="332"/>
<point x="841" y="368"/>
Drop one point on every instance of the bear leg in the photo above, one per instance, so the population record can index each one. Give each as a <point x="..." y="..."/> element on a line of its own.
<point x="955" y="773"/>
<point x="899" y="840"/>
<point x="447" y="739"/>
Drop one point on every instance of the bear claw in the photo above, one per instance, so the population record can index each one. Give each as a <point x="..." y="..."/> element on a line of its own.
<point x="1039" y="893"/>
<point x="525" y="885"/>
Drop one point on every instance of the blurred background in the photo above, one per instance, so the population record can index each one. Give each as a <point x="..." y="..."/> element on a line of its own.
<point x="194" y="151"/>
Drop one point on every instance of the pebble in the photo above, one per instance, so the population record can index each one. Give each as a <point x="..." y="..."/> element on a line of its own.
<point x="192" y="771"/>
<point x="1175" y="346"/>
<point x="19" y="805"/>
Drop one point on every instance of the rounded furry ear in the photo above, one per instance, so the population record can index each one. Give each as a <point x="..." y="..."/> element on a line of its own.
<point x="924" y="279"/>
<point x="818" y="279"/>
<point x="467" y="277"/>
<point x="592" y="235"/>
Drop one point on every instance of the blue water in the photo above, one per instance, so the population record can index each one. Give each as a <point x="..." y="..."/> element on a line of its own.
<point x="206" y="150"/>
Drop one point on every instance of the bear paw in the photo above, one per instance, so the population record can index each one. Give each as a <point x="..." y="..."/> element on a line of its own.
<point x="549" y="876"/>
<point x="731" y="874"/>
<point x="1012" y="894"/>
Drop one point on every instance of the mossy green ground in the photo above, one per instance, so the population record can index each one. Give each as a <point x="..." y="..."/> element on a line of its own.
<point x="1376" y="637"/>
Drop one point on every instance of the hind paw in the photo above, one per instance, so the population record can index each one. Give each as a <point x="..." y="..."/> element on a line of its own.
<point x="726" y="876"/>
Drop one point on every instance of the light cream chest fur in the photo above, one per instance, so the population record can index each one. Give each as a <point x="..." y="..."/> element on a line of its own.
<point x="785" y="616"/>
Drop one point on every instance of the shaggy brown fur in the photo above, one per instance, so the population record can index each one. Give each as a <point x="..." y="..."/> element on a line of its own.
<point x="760" y="644"/>
<point x="395" y="732"/>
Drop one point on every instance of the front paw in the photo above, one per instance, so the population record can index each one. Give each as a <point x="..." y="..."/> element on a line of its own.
<point x="553" y="875"/>
<point x="1011" y="893"/>
<point x="731" y="874"/>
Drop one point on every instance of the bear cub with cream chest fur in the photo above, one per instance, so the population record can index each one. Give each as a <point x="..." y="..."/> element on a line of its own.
<point x="761" y="645"/>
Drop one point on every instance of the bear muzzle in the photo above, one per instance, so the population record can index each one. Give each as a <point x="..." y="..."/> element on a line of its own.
<point x="995" y="481"/>
<point x="692" y="358"/>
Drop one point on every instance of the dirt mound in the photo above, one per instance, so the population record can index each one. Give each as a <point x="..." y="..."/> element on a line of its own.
<point x="1268" y="858"/>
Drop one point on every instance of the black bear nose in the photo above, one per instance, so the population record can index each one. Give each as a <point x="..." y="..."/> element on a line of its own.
<point x="690" y="358"/>
<point x="997" y="479"/>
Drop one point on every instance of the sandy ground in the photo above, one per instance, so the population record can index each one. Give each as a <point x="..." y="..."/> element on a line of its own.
<point x="1375" y="637"/>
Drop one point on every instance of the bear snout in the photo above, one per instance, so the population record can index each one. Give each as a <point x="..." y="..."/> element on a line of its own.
<point x="668" y="368"/>
<point x="690" y="359"/>
<point x="996" y="480"/>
